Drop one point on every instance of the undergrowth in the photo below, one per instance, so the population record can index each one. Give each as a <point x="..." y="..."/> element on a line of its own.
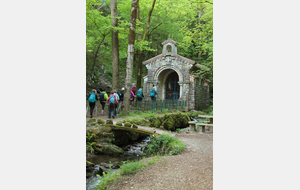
<point x="164" y="144"/>
<point x="128" y="167"/>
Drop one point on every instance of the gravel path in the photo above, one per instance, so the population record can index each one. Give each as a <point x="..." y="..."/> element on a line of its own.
<point x="193" y="169"/>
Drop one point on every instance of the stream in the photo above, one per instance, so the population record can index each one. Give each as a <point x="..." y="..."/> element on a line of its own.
<point x="131" y="152"/>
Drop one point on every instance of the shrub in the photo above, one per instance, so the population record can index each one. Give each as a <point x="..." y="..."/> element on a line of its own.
<point x="164" y="144"/>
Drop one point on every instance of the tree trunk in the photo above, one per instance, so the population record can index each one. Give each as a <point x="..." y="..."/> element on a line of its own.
<point x="199" y="53"/>
<point x="115" y="45"/>
<point x="140" y="54"/>
<point x="130" y="54"/>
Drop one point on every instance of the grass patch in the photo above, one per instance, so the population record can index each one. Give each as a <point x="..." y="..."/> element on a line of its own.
<point x="128" y="167"/>
<point x="180" y="130"/>
<point x="164" y="144"/>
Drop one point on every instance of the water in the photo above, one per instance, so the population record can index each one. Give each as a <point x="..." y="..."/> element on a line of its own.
<point x="131" y="153"/>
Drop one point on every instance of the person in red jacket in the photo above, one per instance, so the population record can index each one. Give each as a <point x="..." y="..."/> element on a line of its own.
<point x="112" y="102"/>
<point x="132" y="96"/>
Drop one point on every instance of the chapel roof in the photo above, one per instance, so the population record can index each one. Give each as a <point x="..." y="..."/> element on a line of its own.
<point x="176" y="55"/>
<point x="169" y="40"/>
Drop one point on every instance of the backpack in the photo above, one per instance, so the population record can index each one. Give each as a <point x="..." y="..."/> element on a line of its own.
<point x="92" y="98"/>
<point x="152" y="93"/>
<point x="121" y="94"/>
<point x="117" y="96"/>
<point x="112" y="100"/>
<point x="139" y="94"/>
<point x="133" y="88"/>
<point x="102" y="97"/>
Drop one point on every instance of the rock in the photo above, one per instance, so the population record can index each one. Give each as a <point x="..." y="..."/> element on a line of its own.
<point x="106" y="148"/>
<point x="115" y="166"/>
<point x="161" y="127"/>
<point x="127" y="124"/>
<point x="97" y="132"/>
<point x="91" y="120"/>
<point x="134" y="126"/>
<point x="98" y="169"/>
<point x="110" y="135"/>
<point x="109" y="121"/>
<point x="119" y="124"/>
<point x="100" y="121"/>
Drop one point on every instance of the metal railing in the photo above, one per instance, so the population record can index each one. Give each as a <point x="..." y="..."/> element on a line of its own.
<point x="152" y="105"/>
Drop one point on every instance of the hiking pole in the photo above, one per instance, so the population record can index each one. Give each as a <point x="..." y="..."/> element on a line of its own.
<point x="87" y="109"/>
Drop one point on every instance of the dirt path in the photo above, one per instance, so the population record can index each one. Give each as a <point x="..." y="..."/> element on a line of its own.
<point x="193" y="169"/>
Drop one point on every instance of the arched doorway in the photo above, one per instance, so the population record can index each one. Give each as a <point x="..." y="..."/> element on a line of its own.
<point x="172" y="88"/>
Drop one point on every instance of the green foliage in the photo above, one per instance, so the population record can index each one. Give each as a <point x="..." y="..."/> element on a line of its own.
<point x="89" y="137"/>
<point x="127" y="168"/>
<point x="132" y="167"/>
<point x="164" y="144"/>
<point x="90" y="146"/>
<point x="180" y="130"/>
<point x="176" y="19"/>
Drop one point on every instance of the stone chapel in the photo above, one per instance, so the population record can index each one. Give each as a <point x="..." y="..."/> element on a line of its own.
<point x="169" y="73"/>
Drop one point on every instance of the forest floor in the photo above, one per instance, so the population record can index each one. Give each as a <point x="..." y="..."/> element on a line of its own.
<point x="193" y="169"/>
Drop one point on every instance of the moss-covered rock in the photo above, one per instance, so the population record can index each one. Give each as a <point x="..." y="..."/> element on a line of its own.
<point x="169" y="122"/>
<point x="134" y="126"/>
<point x="100" y="121"/>
<point x="110" y="135"/>
<point x="109" y="121"/>
<point x="106" y="148"/>
<point x="119" y="123"/>
<point x="97" y="132"/>
<point x="127" y="124"/>
<point x="91" y="120"/>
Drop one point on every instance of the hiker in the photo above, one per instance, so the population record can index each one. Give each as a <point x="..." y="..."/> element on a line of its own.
<point x="153" y="94"/>
<point x="116" y="106"/>
<point x="140" y="95"/>
<point x="92" y="101"/>
<point x="132" y="96"/>
<point x="121" y="96"/>
<point x="133" y="88"/>
<point x="103" y="98"/>
<point x="112" y="101"/>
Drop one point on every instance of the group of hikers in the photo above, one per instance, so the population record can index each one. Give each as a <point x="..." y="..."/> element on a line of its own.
<point x="115" y="100"/>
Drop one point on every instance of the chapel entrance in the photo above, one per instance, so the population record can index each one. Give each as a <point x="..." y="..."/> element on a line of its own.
<point x="172" y="88"/>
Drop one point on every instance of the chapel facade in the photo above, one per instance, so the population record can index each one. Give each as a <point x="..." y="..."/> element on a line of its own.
<point x="169" y="73"/>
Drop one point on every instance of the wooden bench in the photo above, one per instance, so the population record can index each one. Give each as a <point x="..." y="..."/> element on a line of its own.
<point x="202" y="125"/>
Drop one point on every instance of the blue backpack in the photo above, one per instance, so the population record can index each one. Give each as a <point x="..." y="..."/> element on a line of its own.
<point x="139" y="94"/>
<point x="152" y="93"/>
<point x="92" y="98"/>
<point x="112" y="100"/>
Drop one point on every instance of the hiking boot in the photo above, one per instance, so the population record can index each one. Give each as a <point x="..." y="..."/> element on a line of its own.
<point x="113" y="117"/>
<point x="91" y="116"/>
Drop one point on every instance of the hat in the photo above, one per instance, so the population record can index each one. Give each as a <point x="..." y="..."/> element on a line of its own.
<point x="123" y="88"/>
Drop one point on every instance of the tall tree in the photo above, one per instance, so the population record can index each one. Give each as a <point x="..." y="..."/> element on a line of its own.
<point x="115" y="45"/>
<point x="130" y="53"/>
<point x="140" y="54"/>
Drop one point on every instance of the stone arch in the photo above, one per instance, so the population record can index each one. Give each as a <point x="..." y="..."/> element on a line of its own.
<point x="160" y="85"/>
